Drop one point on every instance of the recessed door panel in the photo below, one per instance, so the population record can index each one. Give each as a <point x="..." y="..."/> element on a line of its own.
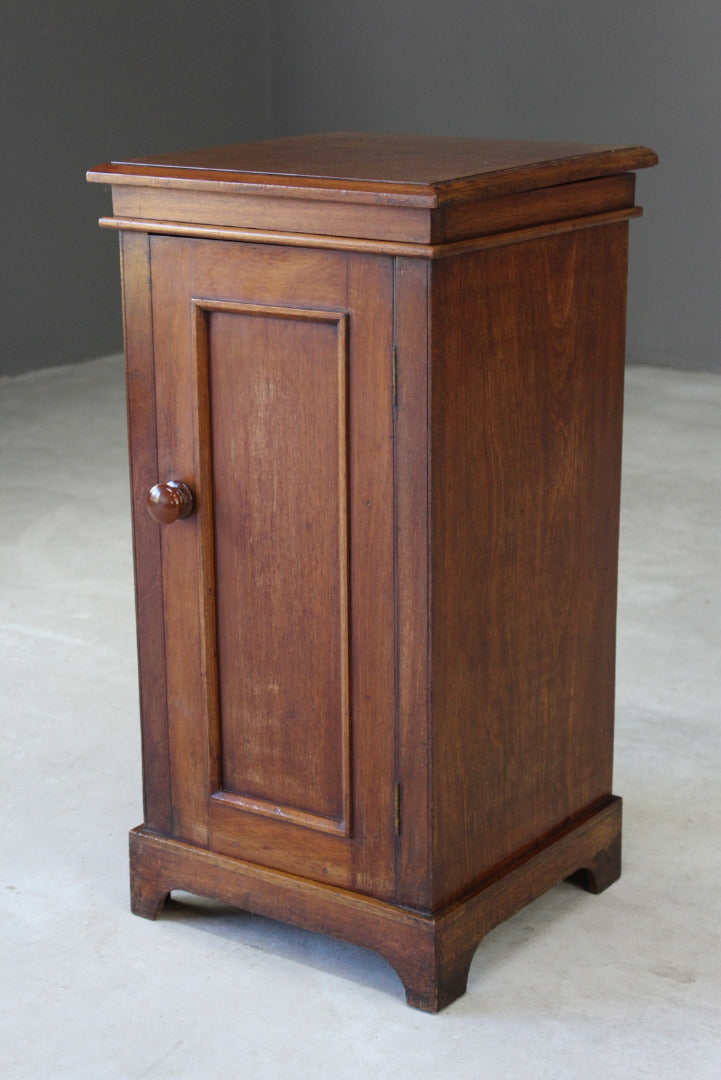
<point x="277" y="380"/>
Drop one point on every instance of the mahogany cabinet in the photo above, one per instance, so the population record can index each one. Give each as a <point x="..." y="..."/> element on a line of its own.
<point x="375" y="399"/>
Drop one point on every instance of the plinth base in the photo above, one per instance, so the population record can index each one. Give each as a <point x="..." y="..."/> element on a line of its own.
<point x="431" y="953"/>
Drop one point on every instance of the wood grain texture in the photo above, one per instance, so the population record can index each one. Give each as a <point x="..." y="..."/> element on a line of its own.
<point x="527" y="375"/>
<point x="370" y="304"/>
<point x="317" y="217"/>
<point x="279" y="447"/>
<point x="450" y="222"/>
<point x="143" y="454"/>
<point x="430" y="953"/>
<point x="483" y="217"/>
<point x="272" y="371"/>
<point x="374" y="189"/>
<point x="413" y="583"/>
<point x="364" y="289"/>
<point x="387" y="165"/>
<point x="377" y="659"/>
<point x="402" y="249"/>
<point x="186" y="548"/>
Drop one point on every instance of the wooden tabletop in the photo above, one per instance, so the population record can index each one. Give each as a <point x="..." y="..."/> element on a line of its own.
<point x="432" y="168"/>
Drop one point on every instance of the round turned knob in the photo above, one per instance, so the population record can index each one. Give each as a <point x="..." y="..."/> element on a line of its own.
<point x="170" y="501"/>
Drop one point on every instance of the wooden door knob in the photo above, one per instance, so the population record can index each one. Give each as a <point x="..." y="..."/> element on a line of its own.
<point x="169" y="501"/>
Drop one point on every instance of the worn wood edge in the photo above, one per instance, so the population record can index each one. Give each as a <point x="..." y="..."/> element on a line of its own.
<point x="177" y="876"/>
<point x="377" y="247"/>
<point x="407" y="224"/>
<point x="593" y="847"/>
<point x="464" y="219"/>
<point x="525" y="177"/>
<point x="588" y="166"/>
<point x="141" y="421"/>
<point x="159" y="865"/>
<point x="579" y="844"/>
<point x="412" y="463"/>
<point x="431" y="952"/>
<point x="351" y="191"/>
<point x="279" y="812"/>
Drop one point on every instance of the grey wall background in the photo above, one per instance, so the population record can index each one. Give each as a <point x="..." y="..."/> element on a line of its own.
<point x="82" y="82"/>
<point x="646" y="71"/>
<point x="87" y="84"/>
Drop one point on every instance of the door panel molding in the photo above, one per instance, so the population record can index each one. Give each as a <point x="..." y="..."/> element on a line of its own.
<point x="233" y="781"/>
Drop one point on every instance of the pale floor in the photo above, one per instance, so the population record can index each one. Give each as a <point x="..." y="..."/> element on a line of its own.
<point x="624" y="985"/>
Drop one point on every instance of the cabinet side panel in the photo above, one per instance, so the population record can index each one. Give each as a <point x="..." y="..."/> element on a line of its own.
<point x="140" y="383"/>
<point x="527" y="370"/>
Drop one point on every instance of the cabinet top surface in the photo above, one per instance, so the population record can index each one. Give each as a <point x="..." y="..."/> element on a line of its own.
<point x="423" y="169"/>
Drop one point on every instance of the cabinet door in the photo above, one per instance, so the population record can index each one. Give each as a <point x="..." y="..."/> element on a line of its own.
<point x="272" y="392"/>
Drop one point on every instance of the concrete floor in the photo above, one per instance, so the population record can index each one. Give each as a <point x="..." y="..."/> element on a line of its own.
<point x="624" y="985"/>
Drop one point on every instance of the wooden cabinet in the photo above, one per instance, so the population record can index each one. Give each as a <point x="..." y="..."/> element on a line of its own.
<point x="375" y="399"/>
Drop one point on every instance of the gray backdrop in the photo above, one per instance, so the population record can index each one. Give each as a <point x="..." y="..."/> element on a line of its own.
<point x="84" y="81"/>
<point x="84" y="84"/>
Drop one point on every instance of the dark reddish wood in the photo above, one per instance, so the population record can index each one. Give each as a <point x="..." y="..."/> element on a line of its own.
<point x="526" y="417"/>
<point x="377" y="660"/>
<point x="370" y="289"/>
<point x="385" y="164"/>
<point x="483" y="217"/>
<point x="375" y="188"/>
<point x="430" y="952"/>
<point x="451" y="221"/>
<point x="601" y="870"/>
<point x="281" y="550"/>
<point x="413" y="585"/>
<point x="170" y="501"/>
<point x="462" y="925"/>
<point x="401" y="249"/>
<point x="239" y="331"/>
<point x="140" y="385"/>
<point x="146" y="898"/>
<point x="187" y="549"/>
<point x="266" y="211"/>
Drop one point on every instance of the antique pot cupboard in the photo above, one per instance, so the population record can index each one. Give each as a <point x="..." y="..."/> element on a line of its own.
<point x="375" y="396"/>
